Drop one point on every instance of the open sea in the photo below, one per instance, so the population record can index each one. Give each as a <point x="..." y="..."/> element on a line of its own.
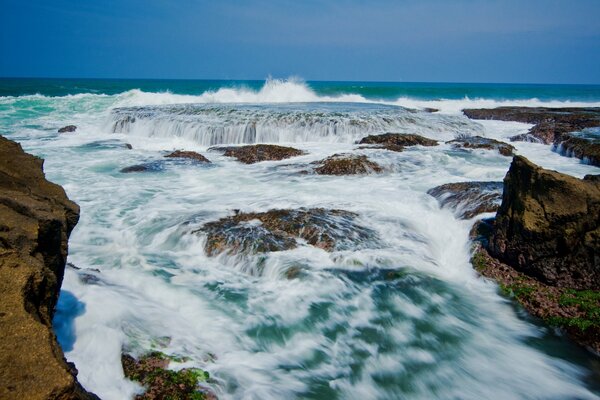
<point x="339" y="329"/>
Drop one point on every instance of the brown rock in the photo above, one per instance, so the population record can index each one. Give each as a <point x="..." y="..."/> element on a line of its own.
<point x="346" y="164"/>
<point x="259" y="152"/>
<point x="548" y="226"/>
<point x="469" y="199"/>
<point x="36" y="218"/>
<point x="397" y="141"/>
<point x="587" y="149"/>
<point x="479" y="142"/>
<point x="192" y="155"/>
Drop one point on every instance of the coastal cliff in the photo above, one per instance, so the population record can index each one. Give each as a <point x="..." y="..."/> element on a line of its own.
<point x="36" y="218"/>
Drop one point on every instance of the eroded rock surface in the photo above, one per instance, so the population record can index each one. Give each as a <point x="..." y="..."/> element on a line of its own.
<point x="469" y="199"/>
<point x="397" y="141"/>
<point x="259" y="152"/>
<point x="192" y="155"/>
<point x="548" y="226"/>
<point x="278" y="230"/>
<point x="346" y="164"/>
<point x="480" y="142"/>
<point x="36" y="218"/>
<point x="587" y="149"/>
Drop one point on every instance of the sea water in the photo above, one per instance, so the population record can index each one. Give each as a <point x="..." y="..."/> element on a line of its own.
<point x="344" y="328"/>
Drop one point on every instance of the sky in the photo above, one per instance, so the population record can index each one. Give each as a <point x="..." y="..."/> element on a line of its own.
<point x="524" y="41"/>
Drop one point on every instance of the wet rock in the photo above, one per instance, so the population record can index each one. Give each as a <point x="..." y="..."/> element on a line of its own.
<point x="259" y="152"/>
<point x="550" y="123"/>
<point x="346" y="164"/>
<point x="278" y="230"/>
<point x="469" y="199"/>
<point x="192" y="155"/>
<point x="587" y="149"/>
<point x="149" y="167"/>
<point x="397" y="141"/>
<point x="128" y="146"/>
<point x="548" y="226"/>
<point x="479" y="142"/>
<point x="526" y="137"/>
<point x="67" y="129"/>
<point x="595" y="178"/>
<point x="161" y="383"/>
<point x="36" y="218"/>
<point x="430" y="110"/>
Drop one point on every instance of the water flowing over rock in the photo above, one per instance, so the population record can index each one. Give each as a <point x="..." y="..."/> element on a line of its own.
<point x="192" y="155"/>
<point x="469" y="199"/>
<point x="36" y="218"/>
<point x="346" y="164"/>
<point x="587" y="149"/>
<point x="397" y="141"/>
<point x="548" y="226"/>
<point x="550" y="123"/>
<point x="259" y="152"/>
<point x="67" y="129"/>
<point x="278" y="230"/>
<point x="479" y="142"/>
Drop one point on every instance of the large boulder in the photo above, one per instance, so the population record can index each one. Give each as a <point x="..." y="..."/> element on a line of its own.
<point x="36" y="218"/>
<point x="548" y="226"/>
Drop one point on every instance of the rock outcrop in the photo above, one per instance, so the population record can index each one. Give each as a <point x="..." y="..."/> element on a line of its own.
<point x="587" y="149"/>
<point x="36" y="218"/>
<point x="397" y="141"/>
<point x="191" y="155"/>
<point x="259" y="152"/>
<point x="480" y="142"/>
<point x="346" y="164"/>
<point x="469" y="199"/>
<point x="548" y="226"/>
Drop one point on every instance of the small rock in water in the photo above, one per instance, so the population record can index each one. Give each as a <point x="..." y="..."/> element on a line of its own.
<point x="149" y="167"/>
<point x="128" y="146"/>
<point x="278" y="230"/>
<point x="469" y="199"/>
<point x="192" y="155"/>
<point x="68" y="128"/>
<point x="480" y="142"/>
<point x="397" y="141"/>
<point x="346" y="164"/>
<point x="259" y="152"/>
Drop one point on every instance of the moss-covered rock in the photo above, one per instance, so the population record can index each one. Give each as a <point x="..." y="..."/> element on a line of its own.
<point x="346" y="164"/>
<point x="162" y="383"/>
<point x="259" y="152"/>
<point x="480" y="142"/>
<point x="278" y="230"/>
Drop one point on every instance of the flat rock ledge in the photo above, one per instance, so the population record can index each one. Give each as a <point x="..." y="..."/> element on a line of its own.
<point x="468" y="199"/>
<point x="480" y="142"/>
<point x="258" y="152"/>
<point x="397" y="141"/>
<point x="191" y="155"/>
<point x="345" y="164"/>
<point x="36" y="218"/>
<point x="279" y="230"/>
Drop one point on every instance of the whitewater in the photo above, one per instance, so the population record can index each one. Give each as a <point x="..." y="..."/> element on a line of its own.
<point x="343" y="328"/>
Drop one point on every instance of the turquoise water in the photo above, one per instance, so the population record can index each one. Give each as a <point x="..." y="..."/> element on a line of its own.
<point x="346" y="327"/>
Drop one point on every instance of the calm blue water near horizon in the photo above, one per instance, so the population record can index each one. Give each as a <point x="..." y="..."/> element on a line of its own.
<point x="370" y="90"/>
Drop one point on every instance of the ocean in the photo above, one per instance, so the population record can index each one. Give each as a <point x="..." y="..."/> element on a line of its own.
<point x="339" y="329"/>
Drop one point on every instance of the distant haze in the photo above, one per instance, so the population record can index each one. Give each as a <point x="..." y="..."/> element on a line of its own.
<point x="537" y="41"/>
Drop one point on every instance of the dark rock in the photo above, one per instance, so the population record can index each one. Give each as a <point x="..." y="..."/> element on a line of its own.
<point x="67" y="129"/>
<point x="469" y="199"/>
<point x="479" y="142"/>
<point x="595" y="178"/>
<point x="346" y="164"/>
<point x="149" y="167"/>
<point x="550" y="123"/>
<point x="278" y="230"/>
<point x="162" y="383"/>
<point x="430" y="110"/>
<point x="128" y="146"/>
<point x="397" y="141"/>
<point x="192" y="155"/>
<point x="526" y="137"/>
<point x="587" y="149"/>
<point x="259" y="152"/>
<point x="36" y="218"/>
<point x="548" y="226"/>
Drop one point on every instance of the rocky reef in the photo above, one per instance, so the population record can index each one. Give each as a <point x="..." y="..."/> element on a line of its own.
<point x="545" y="244"/>
<point x="469" y="199"/>
<point x="397" y="141"/>
<point x="587" y="149"/>
<point x="190" y="155"/>
<point x="258" y="152"/>
<point x="36" y="218"/>
<point x="346" y="164"/>
<point x="479" y="142"/>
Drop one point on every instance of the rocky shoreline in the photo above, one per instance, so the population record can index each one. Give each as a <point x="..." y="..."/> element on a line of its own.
<point x="36" y="218"/>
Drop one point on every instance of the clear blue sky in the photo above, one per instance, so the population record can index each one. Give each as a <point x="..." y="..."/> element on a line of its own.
<point x="537" y="41"/>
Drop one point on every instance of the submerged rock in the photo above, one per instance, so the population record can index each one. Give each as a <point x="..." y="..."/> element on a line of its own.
<point x="36" y="218"/>
<point x="161" y="383"/>
<point x="278" y="230"/>
<point x="346" y="164"/>
<point x="548" y="226"/>
<point x="397" y="141"/>
<point x="148" y="167"/>
<point x="480" y="142"/>
<point x="192" y="155"/>
<point x="587" y="149"/>
<point x="259" y="152"/>
<point x="469" y="199"/>
<point x="550" y="123"/>
<point x="67" y="129"/>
